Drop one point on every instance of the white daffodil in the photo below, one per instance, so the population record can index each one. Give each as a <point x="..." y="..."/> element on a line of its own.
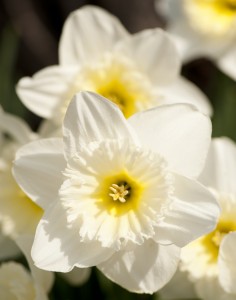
<point x="124" y="195"/>
<point x="18" y="214"/>
<point x="97" y="54"/>
<point x="203" y="28"/>
<point x="16" y="282"/>
<point x="210" y="260"/>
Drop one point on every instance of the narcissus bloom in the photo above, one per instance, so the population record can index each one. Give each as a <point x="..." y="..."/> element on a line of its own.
<point x="204" y="28"/>
<point x="97" y="54"/>
<point x="123" y="190"/>
<point x="18" y="214"/>
<point x="210" y="260"/>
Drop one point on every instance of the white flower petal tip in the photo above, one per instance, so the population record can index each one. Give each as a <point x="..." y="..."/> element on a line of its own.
<point x="32" y="172"/>
<point x="194" y="212"/>
<point x="136" y="274"/>
<point x="220" y="170"/>
<point x="58" y="247"/>
<point x="182" y="135"/>
<point x="84" y="28"/>
<point x="184" y="91"/>
<point x="163" y="54"/>
<point x="45" y="92"/>
<point x="96" y="119"/>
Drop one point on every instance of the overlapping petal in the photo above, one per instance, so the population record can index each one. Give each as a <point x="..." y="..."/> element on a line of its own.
<point x="47" y="89"/>
<point x="60" y="245"/>
<point x="38" y="168"/>
<point x="145" y="269"/>
<point x="193" y="212"/>
<point x="87" y="34"/>
<point x="182" y="136"/>
<point x="220" y="169"/>
<point x="92" y="118"/>
<point x="184" y="91"/>
<point x="162" y="55"/>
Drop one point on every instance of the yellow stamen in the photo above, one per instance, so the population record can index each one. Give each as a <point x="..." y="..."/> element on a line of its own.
<point x="119" y="192"/>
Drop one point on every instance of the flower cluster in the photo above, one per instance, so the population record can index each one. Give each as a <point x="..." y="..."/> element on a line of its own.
<point x="122" y="174"/>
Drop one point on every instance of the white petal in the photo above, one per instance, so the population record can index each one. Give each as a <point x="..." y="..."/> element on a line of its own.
<point x="15" y="127"/>
<point x="184" y="91"/>
<point x="178" y="132"/>
<point x="77" y="276"/>
<point x="194" y="212"/>
<point x="220" y="168"/>
<point x="154" y="53"/>
<point x="87" y="34"/>
<point x="37" y="169"/>
<point x="227" y="263"/>
<point x="57" y="245"/>
<point x="145" y="269"/>
<point x="18" y="213"/>
<point x="227" y="61"/>
<point x="43" y="278"/>
<point x="46" y="90"/>
<point x="91" y="118"/>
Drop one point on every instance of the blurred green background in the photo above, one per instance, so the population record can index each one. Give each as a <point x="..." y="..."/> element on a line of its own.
<point x="29" y="35"/>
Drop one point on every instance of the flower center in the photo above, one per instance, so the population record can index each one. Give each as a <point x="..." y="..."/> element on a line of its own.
<point x="211" y="17"/>
<point x="210" y="243"/>
<point x="117" y="79"/>
<point x="117" y="192"/>
<point x="200" y="257"/>
<point x="120" y="192"/>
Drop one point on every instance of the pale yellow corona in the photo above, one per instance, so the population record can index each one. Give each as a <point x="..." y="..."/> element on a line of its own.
<point x="115" y="78"/>
<point x="212" y="17"/>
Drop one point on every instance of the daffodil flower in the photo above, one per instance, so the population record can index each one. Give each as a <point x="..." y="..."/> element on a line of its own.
<point x="125" y="197"/>
<point x="203" y="28"/>
<point x="18" y="214"/>
<point x="210" y="260"/>
<point x="97" y="54"/>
